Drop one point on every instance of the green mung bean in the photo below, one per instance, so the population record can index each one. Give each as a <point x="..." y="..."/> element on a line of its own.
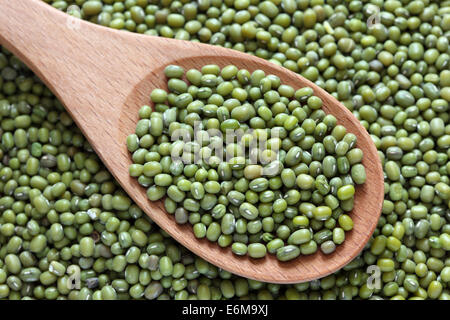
<point x="392" y="76"/>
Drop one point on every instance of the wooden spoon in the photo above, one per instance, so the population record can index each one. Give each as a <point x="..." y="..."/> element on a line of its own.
<point x="104" y="76"/>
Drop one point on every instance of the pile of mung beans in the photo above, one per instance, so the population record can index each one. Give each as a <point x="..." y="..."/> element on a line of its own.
<point x="250" y="162"/>
<point x="63" y="215"/>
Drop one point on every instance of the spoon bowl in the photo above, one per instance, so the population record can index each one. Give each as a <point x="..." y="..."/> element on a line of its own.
<point x="103" y="77"/>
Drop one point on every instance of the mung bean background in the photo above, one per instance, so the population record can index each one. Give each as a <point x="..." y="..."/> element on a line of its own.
<point x="62" y="212"/>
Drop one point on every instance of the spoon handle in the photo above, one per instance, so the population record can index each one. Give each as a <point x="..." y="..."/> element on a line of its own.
<point x="85" y="65"/>
<point x="43" y="38"/>
<point x="88" y="67"/>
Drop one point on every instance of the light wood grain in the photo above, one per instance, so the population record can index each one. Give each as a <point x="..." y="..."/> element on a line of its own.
<point x="103" y="76"/>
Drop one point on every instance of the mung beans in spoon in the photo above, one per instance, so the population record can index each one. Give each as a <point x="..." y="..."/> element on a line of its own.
<point x="249" y="162"/>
